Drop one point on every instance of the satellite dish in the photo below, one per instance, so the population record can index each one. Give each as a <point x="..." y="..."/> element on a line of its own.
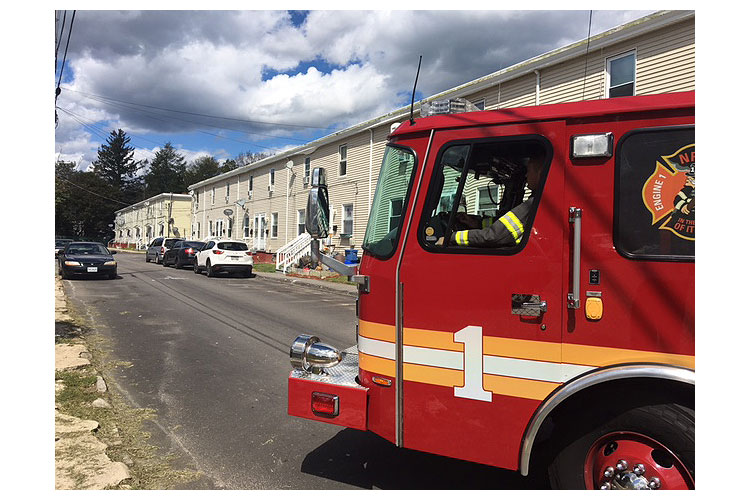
<point x="241" y="202"/>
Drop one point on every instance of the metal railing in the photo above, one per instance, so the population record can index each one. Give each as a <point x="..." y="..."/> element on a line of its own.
<point x="292" y="251"/>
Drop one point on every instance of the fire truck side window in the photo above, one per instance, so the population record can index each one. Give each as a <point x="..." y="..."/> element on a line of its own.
<point x="655" y="194"/>
<point x="475" y="193"/>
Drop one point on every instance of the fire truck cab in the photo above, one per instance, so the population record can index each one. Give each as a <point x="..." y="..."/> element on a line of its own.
<point x="526" y="294"/>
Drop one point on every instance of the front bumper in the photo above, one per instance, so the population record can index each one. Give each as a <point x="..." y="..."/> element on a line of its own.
<point x="86" y="270"/>
<point x="339" y="381"/>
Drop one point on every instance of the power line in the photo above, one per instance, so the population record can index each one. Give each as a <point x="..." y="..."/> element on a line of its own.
<point x="91" y="192"/>
<point x="65" y="56"/>
<point x="205" y="115"/>
<point x="154" y="115"/>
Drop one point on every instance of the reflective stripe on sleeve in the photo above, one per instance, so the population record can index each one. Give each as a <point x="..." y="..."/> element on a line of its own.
<point x="511" y="222"/>
<point x="462" y="237"/>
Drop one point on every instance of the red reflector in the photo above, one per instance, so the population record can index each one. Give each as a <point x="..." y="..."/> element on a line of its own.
<point x="325" y="404"/>
<point x="218" y="252"/>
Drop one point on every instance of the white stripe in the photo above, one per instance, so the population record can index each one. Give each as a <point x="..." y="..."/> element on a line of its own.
<point x="377" y="348"/>
<point x="534" y="370"/>
<point x="434" y="357"/>
<point x="493" y="365"/>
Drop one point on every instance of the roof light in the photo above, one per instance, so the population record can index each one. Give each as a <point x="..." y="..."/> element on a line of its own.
<point x="447" y="107"/>
<point x="591" y="146"/>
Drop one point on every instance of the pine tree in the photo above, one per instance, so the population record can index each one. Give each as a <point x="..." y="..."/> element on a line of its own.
<point x="115" y="164"/>
<point x="167" y="172"/>
<point x="200" y="169"/>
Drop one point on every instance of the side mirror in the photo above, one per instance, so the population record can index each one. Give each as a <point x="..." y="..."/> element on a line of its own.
<point x="318" y="214"/>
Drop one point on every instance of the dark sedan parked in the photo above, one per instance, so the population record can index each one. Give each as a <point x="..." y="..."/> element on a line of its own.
<point x="83" y="258"/>
<point x="182" y="254"/>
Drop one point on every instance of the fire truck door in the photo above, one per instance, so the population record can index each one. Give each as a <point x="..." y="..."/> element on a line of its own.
<point x="481" y="327"/>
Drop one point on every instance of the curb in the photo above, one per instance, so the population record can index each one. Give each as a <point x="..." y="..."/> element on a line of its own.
<point x="309" y="283"/>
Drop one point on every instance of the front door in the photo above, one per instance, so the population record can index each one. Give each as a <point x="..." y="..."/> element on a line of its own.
<point x="259" y="232"/>
<point x="482" y="325"/>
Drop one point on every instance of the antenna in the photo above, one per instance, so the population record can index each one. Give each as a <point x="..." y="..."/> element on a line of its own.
<point x="586" y="60"/>
<point x="411" y="116"/>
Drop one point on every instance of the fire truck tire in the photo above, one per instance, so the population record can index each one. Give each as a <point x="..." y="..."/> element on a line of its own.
<point x="646" y="447"/>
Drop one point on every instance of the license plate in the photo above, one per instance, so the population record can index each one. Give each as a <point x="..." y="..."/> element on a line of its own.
<point x="92" y="269"/>
<point x="235" y="258"/>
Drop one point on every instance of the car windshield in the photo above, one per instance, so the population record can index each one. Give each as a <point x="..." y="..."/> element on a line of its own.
<point x="87" y="249"/>
<point x="232" y="245"/>
<point x="61" y="243"/>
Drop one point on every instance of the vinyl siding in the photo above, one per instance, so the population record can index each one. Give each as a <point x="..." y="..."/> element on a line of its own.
<point x="665" y="62"/>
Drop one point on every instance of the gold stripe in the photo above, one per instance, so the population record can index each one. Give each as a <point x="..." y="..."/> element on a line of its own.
<point x="518" y="387"/>
<point x="375" y="364"/>
<point x="605" y="356"/>
<point x="377" y="331"/>
<point x="523" y="349"/>
<point x="431" y="339"/>
<point x="433" y="375"/>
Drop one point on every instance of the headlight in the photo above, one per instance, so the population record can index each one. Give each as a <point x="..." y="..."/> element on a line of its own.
<point x="72" y="263"/>
<point x="110" y="263"/>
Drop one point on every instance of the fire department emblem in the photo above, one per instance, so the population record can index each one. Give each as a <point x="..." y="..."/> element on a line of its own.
<point x="669" y="194"/>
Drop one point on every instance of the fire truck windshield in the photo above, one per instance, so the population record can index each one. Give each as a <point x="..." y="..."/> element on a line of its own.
<point x="385" y="221"/>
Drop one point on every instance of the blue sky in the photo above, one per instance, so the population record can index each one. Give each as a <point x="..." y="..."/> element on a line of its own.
<point x="222" y="83"/>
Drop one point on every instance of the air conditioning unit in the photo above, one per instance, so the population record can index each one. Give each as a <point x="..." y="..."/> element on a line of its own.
<point x="306" y="180"/>
<point x="250" y="195"/>
<point x="226" y="199"/>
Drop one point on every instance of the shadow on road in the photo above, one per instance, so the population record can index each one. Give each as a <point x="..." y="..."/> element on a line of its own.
<point x="365" y="460"/>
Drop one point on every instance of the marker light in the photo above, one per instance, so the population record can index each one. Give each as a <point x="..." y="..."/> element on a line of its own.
<point x="326" y="405"/>
<point x="591" y="146"/>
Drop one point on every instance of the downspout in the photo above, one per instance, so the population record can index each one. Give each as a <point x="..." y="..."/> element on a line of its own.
<point x="538" y="86"/>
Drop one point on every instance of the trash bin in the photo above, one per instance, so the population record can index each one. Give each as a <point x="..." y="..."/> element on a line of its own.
<point x="350" y="257"/>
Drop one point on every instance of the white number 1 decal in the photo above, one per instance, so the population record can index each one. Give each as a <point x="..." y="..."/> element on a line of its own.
<point x="471" y="338"/>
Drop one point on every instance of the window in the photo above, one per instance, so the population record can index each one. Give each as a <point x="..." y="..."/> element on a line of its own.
<point x="213" y="195"/>
<point x="246" y="232"/>
<point x="161" y="229"/>
<point x="275" y="225"/>
<point x="347" y="212"/>
<point x="382" y="231"/>
<point x="306" y="178"/>
<point x="342" y="159"/>
<point x="271" y="177"/>
<point x="397" y="206"/>
<point x="621" y="75"/>
<point x="220" y="227"/>
<point x="655" y="194"/>
<point x="198" y="230"/>
<point x="227" y="193"/>
<point x="249" y="186"/>
<point x="479" y="104"/>
<point x="474" y="186"/>
<point x="229" y="227"/>
<point x="211" y="228"/>
<point x="300" y="221"/>
<point x="236" y="246"/>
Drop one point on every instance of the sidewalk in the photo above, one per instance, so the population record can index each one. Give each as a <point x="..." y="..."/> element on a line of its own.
<point x="80" y="459"/>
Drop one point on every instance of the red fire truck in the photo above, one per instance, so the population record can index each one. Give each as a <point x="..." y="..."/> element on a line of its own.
<point x="571" y="347"/>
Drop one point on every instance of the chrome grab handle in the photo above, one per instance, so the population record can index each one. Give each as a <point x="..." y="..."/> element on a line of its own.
<point x="541" y="306"/>
<point x="574" y="298"/>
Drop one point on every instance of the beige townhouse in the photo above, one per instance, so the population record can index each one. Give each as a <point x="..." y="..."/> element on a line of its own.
<point x="166" y="214"/>
<point x="264" y="202"/>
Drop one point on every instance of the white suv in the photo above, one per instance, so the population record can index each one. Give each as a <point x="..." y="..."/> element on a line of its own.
<point x="224" y="255"/>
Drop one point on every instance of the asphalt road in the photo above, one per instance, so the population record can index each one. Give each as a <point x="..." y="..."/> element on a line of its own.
<point x="211" y="357"/>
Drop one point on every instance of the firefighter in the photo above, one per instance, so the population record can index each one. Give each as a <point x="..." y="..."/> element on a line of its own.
<point x="508" y="229"/>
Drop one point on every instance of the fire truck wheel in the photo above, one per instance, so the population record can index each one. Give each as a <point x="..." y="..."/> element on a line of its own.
<point x="647" y="447"/>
